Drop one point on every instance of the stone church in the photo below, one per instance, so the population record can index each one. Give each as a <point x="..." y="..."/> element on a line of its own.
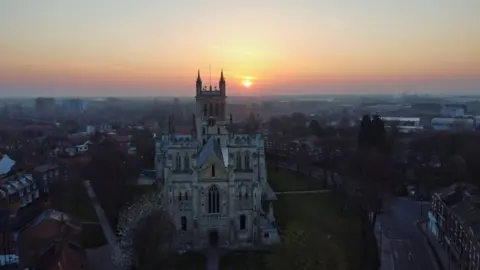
<point x="214" y="181"/>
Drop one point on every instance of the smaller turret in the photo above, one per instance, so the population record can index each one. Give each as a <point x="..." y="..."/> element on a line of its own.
<point x="199" y="84"/>
<point x="221" y="84"/>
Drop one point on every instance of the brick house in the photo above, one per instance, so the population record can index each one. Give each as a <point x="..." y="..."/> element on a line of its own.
<point x="19" y="187"/>
<point x="45" y="175"/>
<point x="455" y="221"/>
<point x="51" y="241"/>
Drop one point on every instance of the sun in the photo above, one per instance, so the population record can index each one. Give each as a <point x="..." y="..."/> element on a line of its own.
<point x="247" y="83"/>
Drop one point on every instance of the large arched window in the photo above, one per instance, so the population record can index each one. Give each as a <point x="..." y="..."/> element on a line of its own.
<point x="178" y="163"/>
<point x="186" y="162"/>
<point x="205" y="109"/>
<point x="213" y="200"/>
<point x="247" y="160"/>
<point x="239" y="161"/>
<point x="243" y="222"/>
<point x="183" y="221"/>
<point x="211" y="110"/>
<point x="216" y="109"/>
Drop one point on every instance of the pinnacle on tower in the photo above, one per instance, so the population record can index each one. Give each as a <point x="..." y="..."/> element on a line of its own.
<point x="198" y="77"/>
<point x="222" y="79"/>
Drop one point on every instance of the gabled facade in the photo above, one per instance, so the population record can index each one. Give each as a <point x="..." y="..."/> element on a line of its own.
<point x="213" y="182"/>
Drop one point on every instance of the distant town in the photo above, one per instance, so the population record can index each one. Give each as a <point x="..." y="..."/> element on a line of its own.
<point x="372" y="182"/>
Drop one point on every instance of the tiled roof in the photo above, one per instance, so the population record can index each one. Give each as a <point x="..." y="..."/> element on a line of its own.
<point x="46" y="167"/>
<point x="6" y="164"/>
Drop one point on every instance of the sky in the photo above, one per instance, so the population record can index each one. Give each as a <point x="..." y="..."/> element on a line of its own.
<point x="155" y="47"/>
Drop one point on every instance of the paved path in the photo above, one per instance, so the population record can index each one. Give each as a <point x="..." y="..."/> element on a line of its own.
<point x="101" y="258"/>
<point x="107" y="229"/>
<point x="213" y="259"/>
<point x="437" y="250"/>
<point x="303" y="191"/>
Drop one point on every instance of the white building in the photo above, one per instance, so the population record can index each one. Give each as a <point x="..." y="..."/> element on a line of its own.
<point x="454" y="124"/>
<point x="454" y="110"/>
<point x="20" y="188"/>
<point x="214" y="182"/>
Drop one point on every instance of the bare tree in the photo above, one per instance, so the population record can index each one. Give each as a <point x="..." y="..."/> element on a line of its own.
<point x="147" y="235"/>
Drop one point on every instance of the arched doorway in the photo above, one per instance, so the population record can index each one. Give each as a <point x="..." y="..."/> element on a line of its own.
<point x="213" y="238"/>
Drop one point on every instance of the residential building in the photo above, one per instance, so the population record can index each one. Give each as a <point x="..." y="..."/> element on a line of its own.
<point x="452" y="124"/>
<point x="44" y="105"/>
<point x="454" y="110"/>
<point x="213" y="181"/>
<point x="49" y="240"/>
<point x="455" y="221"/>
<point x="46" y="175"/>
<point x="18" y="188"/>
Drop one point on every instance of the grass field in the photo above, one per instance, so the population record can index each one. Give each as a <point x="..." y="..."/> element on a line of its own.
<point x="191" y="260"/>
<point x="242" y="260"/>
<point x="322" y="211"/>
<point x="286" y="180"/>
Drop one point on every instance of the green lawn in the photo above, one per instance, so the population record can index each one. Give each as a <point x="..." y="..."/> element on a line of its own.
<point x="324" y="212"/>
<point x="191" y="260"/>
<point x="92" y="236"/>
<point x="286" y="180"/>
<point x="243" y="260"/>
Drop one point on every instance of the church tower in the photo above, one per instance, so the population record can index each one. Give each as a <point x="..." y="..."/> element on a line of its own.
<point x="211" y="117"/>
<point x="221" y="84"/>
<point x="199" y="83"/>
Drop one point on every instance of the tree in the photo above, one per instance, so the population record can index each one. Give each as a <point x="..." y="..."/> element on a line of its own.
<point x="253" y="124"/>
<point x="365" y="130"/>
<point x="302" y="157"/>
<point x="275" y="125"/>
<point x="110" y="169"/>
<point x="299" y="119"/>
<point x="305" y="248"/>
<point x="315" y="128"/>
<point x="145" y="144"/>
<point x="147" y="236"/>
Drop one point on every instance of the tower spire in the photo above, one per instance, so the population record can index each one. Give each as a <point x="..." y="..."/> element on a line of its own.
<point x="222" y="79"/>
<point x="210" y="71"/>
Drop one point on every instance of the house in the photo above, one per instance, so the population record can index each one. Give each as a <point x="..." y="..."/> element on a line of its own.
<point x="45" y="175"/>
<point x="7" y="247"/>
<point x="5" y="164"/>
<point x="51" y="241"/>
<point x="452" y="124"/>
<point x="454" y="219"/>
<point x="454" y="110"/>
<point x="18" y="188"/>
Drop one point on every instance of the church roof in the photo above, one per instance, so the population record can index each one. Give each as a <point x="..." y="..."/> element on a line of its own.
<point x="212" y="147"/>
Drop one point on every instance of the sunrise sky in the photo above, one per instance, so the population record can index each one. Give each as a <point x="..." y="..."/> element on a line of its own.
<point x="154" y="48"/>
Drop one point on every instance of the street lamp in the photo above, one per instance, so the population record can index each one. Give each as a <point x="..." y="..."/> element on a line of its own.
<point x="421" y="206"/>
<point x="410" y="260"/>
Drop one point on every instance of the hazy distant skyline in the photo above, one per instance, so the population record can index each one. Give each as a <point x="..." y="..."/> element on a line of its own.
<point x="154" y="48"/>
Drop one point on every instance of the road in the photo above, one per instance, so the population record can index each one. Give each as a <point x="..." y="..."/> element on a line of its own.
<point x="404" y="244"/>
<point x="303" y="192"/>
<point x="407" y="245"/>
